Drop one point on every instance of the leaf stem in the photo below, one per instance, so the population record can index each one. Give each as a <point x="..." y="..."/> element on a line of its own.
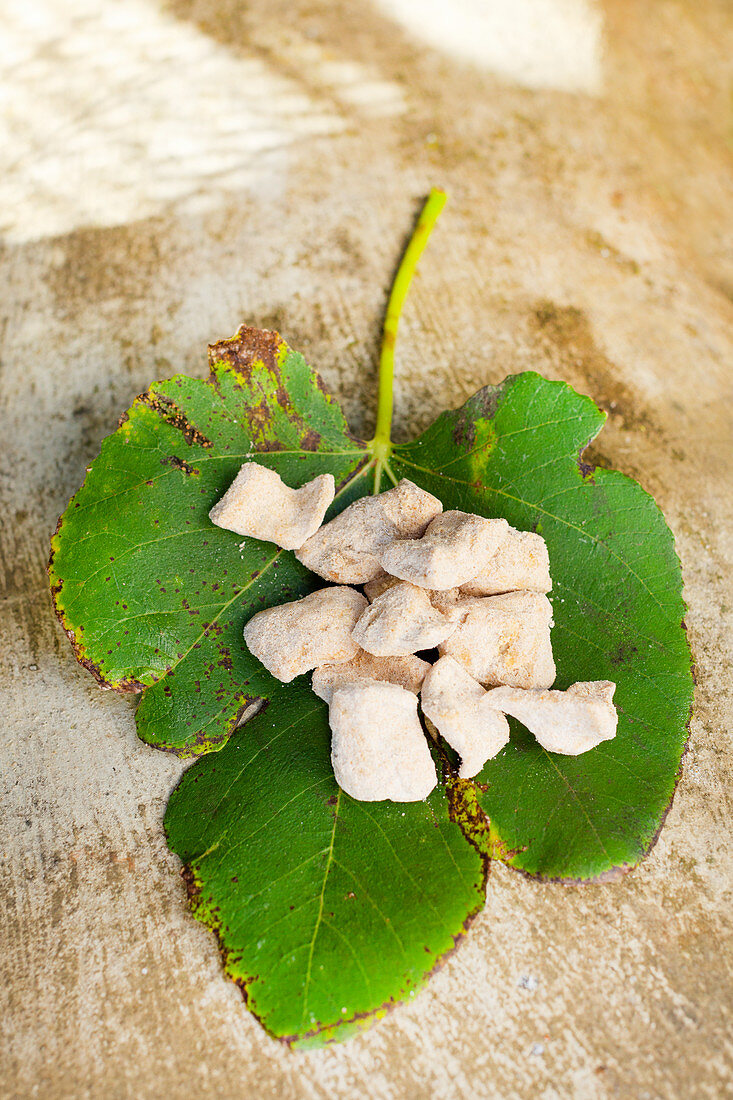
<point x="381" y="444"/>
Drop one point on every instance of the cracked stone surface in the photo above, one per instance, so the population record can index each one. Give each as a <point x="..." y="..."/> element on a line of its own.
<point x="170" y="170"/>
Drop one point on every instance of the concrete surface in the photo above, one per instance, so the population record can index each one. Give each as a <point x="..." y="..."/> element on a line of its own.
<point x="170" y="172"/>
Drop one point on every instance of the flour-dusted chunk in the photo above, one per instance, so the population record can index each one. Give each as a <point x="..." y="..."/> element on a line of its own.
<point x="378" y="748"/>
<point x="505" y="640"/>
<point x="455" y="547"/>
<point x="461" y="711"/>
<point x="258" y="503"/>
<point x="408" y="672"/>
<point x="570" y="722"/>
<point x="446" y="601"/>
<point x="294" y="637"/>
<point x="380" y="584"/>
<point x="449" y="602"/>
<point x="346" y="549"/>
<point x="401" y="621"/>
<point x="520" y="563"/>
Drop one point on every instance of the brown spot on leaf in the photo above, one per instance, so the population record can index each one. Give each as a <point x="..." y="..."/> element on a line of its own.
<point x="481" y="406"/>
<point x="247" y="347"/>
<point x="171" y="414"/>
<point x="253" y="349"/>
<point x="464" y="810"/>
<point x="310" y="441"/>
<point x="625" y="652"/>
<point x="178" y="464"/>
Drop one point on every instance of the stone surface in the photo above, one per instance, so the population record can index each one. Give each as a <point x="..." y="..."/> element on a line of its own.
<point x="570" y="722"/>
<point x="402" y="621"/>
<point x="587" y="237"/>
<point x="258" y="503"/>
<point x="408" y="672"/>
<point x="504" y="640"/>
<point x="461" y="711"/>
<point x="346" y="550"/>
<point x="378" y="747"/>
<point x="292" y="638"/>
<point x="521" y="562"/>
<point x="455" y="547"/>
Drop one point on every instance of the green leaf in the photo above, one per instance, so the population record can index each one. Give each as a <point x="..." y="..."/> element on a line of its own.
<point x="151" y="593"/>
<point x="515" y="451"/>
<point x="327" y="910"/>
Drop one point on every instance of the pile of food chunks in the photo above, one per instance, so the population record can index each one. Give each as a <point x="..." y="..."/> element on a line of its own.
<point x="474" y="588"/>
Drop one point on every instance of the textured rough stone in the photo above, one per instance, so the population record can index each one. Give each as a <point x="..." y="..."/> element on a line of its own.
<point x="520" y="563"/>
<point x="346" y="549"/>
<point x="455" y="547"/>
<point x="505" y="640"/>
<point x="258" y="503"/>
<point x="570" y="722"/>
<point x="401" y="621"/>
<point x="292" y="638"/>
<point x="378" y="746"/>
<point x="461" y="711"/>
<point x="409" y="672"/>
